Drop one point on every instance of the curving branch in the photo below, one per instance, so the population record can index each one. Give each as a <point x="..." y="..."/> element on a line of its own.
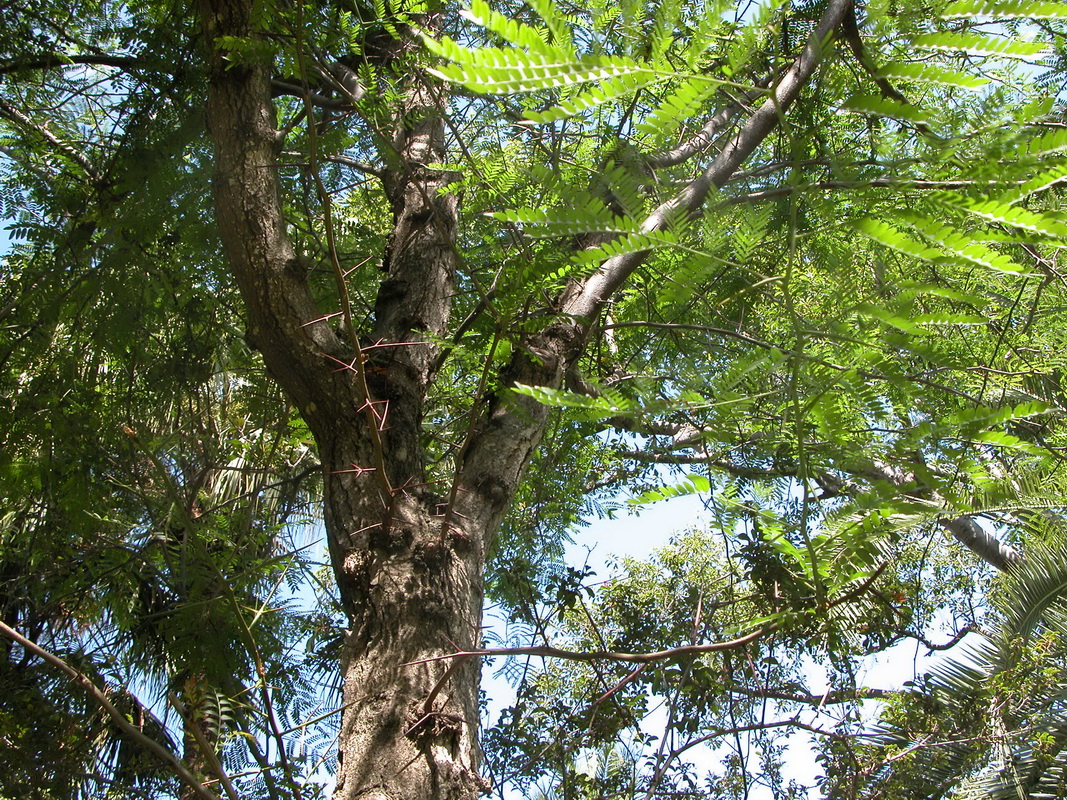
<point x="547" y="651"/>
<point x="964" y="529"/>
<point x="117" y="716"/>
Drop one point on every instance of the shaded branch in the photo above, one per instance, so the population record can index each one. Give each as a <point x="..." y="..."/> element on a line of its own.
<point x="965" y="529"/>
<point x="117" y="716"/>
<point x="299" y="89"/>
<point x="703" y="138"/>
<point x="193" y="727"/>
<point x="75" y="155"/>
<point x="58" y="60"/>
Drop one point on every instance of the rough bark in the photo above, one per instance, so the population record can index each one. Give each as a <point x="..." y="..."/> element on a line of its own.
<point x="411" y="585"/>
<point x="408" y="561"/>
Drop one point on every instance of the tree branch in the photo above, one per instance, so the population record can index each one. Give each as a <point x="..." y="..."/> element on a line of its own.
<point x="583" y="300"/>
<point x="54" y="60"/>
<point x="932" y="647"/>
<point x="818" y="700"/>
<point x="41" y="130"/>
<point x="547" y="651"/>
<point x="193" y="727"/>
<point x="703" y="138"/>
<point x="285" y="88"/>
<point x="964" y="529"/>
<point x="117" y="716"/>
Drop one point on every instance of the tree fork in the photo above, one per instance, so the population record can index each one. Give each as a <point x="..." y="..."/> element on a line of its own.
<point x="409" y="565"/>
<point x="410" y="589"/>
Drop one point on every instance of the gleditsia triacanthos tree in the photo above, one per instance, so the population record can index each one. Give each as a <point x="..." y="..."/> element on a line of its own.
<point x="426" y="347"/>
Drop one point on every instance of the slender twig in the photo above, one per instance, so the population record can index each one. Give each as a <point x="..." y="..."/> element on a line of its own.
<point x="816" y="700"/>
<point x="872" y="183"/>
<point x="547" y="651"/>
<point x="357" y="366"/>
<point x="933" y="647"/>
<point x="264" y="686"/>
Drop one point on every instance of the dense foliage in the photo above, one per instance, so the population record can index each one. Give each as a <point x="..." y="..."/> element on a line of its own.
<point x="835" y="314"/>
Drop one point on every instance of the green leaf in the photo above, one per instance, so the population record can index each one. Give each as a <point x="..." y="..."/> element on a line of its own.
<point x="607" y="404"/>
<point x="558" y="23"/>
<point x="494" y="70"/>
<point x="514" y="33"/>
<point x="605" y="92"/>
<point x="895" y="320"/>
<point x="627" y="243"/>
<point x="1004" y="9"/>
<point x="1051" y="142"/>
<point x="965" y="247"/>
<point x="1005" y="214"/>
<point x="928" y="73"/>
<point x="988" y="417"/>
<point x="886" y="234"/>
<point x="946" y="292"/>
<point x="682" y="102"/>
<point x="1054" y="176"/>
<point x="884" y="107"/>
<point x="591" y="217"/>
<point x="979" y="45"/>
<point x="1005" y="440"/>
<point x="691" y="484"/>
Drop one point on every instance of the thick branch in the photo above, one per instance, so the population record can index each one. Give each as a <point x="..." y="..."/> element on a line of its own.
<point x="298" y="344"/>
<point x="284" y="88"/>
<point x="964" y="529"/>
<point x="583" y="300"/>
<point x="59" y="60"/>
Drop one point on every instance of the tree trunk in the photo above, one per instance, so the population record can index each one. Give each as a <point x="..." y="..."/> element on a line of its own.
<point x="410" y="576"/>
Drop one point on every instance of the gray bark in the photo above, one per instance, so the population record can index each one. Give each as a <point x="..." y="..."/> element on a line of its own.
<point x="964" y="529"/>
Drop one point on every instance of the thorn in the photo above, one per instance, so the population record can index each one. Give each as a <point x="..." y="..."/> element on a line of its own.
<point x="321" y="319"/>
<point x="356" y="470"/>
